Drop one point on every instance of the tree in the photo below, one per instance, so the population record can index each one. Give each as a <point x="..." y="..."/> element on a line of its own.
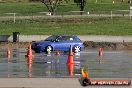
<point x="52" y="4"/>
<point x="81" y="4"/>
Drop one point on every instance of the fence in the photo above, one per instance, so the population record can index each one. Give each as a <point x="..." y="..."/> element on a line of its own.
<point x="107" y="14"/>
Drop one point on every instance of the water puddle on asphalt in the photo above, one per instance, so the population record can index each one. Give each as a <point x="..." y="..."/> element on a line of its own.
<point x="114" y="64"/>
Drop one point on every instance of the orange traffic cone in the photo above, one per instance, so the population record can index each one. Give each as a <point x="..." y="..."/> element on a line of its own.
<point x="29" y="69"/>
<point x="100" y="52"/>
<point x="100" y="55"/>
<point x="29" y="54"/>
<point x="70" y="56"/>
<point x="100" y="60"/>
<point x="70" y="69"/>
<point x="57" y="56"/>
<point x="29" y="60"/>
<point x="8" y="54"/>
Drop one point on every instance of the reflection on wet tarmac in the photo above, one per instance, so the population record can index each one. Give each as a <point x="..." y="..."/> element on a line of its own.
<point x="113" y="64"/>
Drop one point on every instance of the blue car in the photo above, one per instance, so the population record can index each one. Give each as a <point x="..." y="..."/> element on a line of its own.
<point x="58" y="42"/>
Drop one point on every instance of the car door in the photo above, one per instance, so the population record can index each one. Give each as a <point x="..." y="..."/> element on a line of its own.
<point x="59" y="43"/>
<point x="68" y="41"/>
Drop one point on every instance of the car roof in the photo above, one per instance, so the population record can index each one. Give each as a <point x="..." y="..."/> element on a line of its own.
<point x="65" y="35"/>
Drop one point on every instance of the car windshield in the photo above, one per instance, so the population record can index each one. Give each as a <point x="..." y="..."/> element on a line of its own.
<point x="65" y="38"/>
<point x="51" y="38"/>
<point x="60" y="38"/>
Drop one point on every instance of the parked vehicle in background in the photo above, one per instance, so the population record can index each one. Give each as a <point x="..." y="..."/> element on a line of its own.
<point x="58" y="42"/>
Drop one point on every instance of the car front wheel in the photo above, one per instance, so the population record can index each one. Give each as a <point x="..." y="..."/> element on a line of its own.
<point x="49" y="49"/>
<point x="77" y="49"/>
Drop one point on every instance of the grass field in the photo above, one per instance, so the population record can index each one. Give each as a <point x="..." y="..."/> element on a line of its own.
<point x="26" y="7"/>
<point x="78" y="26"/>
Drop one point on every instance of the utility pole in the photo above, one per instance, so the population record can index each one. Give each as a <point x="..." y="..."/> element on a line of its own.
<point x="130" y="8"/>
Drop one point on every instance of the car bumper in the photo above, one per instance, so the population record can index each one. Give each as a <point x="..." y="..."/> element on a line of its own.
<point x="82" y="48"/>
<point x="37" y="48"/>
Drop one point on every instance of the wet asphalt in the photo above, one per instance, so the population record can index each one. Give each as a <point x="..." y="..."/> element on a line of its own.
<point x="114" y="64"/>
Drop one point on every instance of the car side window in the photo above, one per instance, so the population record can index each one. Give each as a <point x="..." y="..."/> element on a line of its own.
<point x="59" y="39"/>
<point x="72" y="39"/>
<point x="65" y="39"/>
<point x="69" y="38"/>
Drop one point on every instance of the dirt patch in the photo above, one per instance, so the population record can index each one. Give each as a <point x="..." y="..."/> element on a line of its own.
<point x="14" y="44"/>
<point x="87" y="44"/>
<point x="108" y="45"/>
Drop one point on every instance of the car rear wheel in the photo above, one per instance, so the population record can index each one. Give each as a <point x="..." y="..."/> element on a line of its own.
<point x="77" y="49"/>
<point x="49" y="49"/>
